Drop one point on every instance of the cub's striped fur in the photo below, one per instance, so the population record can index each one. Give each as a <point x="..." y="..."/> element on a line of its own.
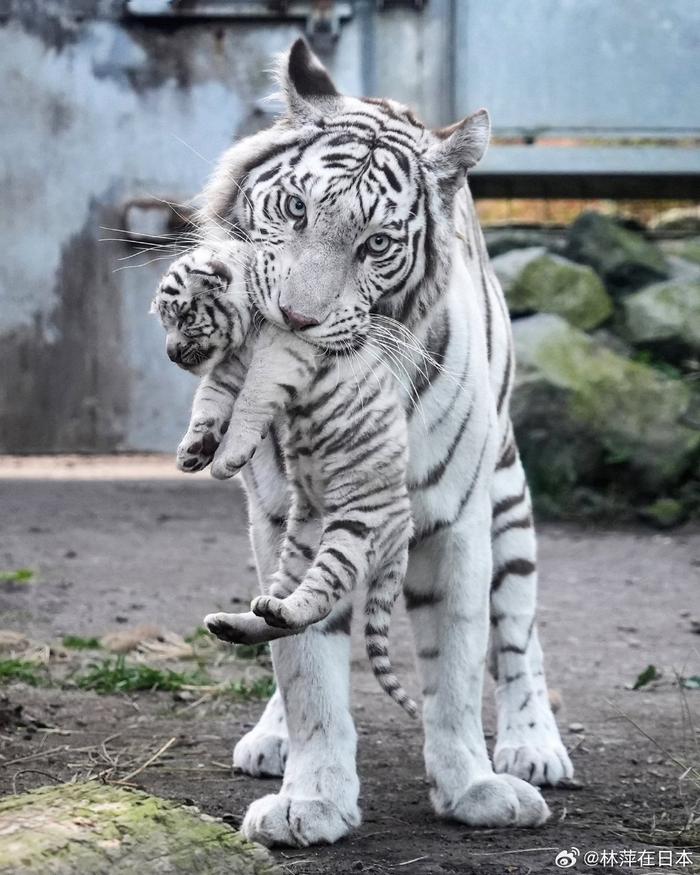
<point x="344" y="442"/>
<point x="354" y="216"/>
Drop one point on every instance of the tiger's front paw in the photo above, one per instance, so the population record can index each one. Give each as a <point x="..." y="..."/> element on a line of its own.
<point x="199" y="445"/>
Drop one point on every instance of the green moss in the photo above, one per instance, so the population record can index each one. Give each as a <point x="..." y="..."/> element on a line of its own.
<point x="93" y="827"/>
<point x="628" y="411"/>
<point x="664" y="513"/>
<point x="665" y="314"/>
<point x="646" y="357"/>
<point x="688" y="248"/>
<point x="623" y="258"/>
<point x="550" y="284"/>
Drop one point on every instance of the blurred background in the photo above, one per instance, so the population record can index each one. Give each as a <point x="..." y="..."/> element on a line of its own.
<point x="114" y="110"/>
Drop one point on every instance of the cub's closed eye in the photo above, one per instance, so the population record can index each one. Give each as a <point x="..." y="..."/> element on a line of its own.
<point x="295" y="207"/>
<point x="378" y="244"/>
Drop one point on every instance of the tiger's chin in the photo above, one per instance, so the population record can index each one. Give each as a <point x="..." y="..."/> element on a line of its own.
<point x="203" y="362"/>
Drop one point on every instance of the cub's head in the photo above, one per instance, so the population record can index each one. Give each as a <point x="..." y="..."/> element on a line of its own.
<point x="196" y="307"/>
<point x="344" y="207"/>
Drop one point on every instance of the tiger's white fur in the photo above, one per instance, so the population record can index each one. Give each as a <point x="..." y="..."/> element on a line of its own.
<point x="362" y="168"/>
<point x="345" y="451"/>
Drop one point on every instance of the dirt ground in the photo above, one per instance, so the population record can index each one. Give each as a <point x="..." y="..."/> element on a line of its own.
<point x="112" y="547"/>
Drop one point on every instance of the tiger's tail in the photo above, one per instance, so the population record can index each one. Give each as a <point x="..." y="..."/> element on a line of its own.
<point x="380" y="601"/>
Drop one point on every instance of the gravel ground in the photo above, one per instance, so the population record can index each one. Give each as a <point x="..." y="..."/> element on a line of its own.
<point x="114" y="544"/>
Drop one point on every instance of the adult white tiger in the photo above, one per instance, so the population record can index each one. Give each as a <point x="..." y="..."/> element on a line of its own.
<point x="352" y="207"/>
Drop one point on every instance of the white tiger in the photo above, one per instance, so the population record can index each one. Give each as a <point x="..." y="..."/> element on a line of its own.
<point x="356" y="170"/>
<point x="345" y="453"/>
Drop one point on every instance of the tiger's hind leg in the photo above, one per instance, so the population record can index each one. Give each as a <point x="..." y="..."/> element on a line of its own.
<point x="528" y="742"/>
<point x="447" y="597"/>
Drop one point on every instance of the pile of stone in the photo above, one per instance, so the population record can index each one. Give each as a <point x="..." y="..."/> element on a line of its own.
<point x="606" y="319"/>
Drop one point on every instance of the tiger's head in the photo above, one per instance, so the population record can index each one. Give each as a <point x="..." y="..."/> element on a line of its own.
<point x="196" y="306"/>
<point x="344" y="207"/>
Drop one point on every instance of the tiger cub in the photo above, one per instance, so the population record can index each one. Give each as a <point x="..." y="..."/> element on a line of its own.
<point x="345" y="447"/>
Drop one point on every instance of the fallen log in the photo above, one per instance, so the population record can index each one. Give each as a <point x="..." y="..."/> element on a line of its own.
<point x="99" y="829"/>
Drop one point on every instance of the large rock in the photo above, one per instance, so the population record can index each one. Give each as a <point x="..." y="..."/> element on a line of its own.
<point x="501" y="240"/>
<point x="623" y="258"/>
<point x="586" y="416"/>
<point x="687" y="249"/>
<point x="76" y="829"/>
<point x="551" y="284"/>
<point x="678" y="220"/>
<point x="665" y="316"/>
<point x="510" y="265"/>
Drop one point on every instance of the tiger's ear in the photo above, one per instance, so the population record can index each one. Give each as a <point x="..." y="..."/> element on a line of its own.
<point x="461" y="147"/>
<point x="306" y="83"/>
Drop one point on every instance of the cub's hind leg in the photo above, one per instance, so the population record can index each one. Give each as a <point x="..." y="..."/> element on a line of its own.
<point x="262" y="752"/>
<point x="528" y="743"/>
<point x="280" y="607"/>
<point x="268" y="621"/>
<point x="335" y="562"/>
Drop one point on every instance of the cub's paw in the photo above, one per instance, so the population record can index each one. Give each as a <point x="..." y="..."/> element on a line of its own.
<point x="199" y="445"/>
<point x="261" y="754"/>
<point x="226" y="465"/>
<point x="279" y="819"/>
<point x="545" y="763"/>
<point x="236" y="451"/>
<point x="500" y="800"/>
<point x="243" y="628"/>
<point x="233" y="628"/>
<point x="275" y="612"/>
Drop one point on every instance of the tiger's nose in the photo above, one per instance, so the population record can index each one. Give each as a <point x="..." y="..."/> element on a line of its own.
<point x="296" y="320"/>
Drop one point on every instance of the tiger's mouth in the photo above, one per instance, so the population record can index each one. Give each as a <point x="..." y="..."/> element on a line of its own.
<point x="192" y="356"/>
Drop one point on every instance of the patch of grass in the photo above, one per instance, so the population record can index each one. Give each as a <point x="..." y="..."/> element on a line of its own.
<point x="252" y="651"/>
<point x="649" y="674"/>
<point x="644" y="357"/>
<point x="20" y="670"/>
<point x="242" y="691"/>
<point x="199" y="633"/>
<point x="115" y="676"/>
<point x="20" y="575"/>
<point x="76" y="642"/>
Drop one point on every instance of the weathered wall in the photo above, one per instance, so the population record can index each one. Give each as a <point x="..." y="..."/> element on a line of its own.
<point x="99" y="109"/>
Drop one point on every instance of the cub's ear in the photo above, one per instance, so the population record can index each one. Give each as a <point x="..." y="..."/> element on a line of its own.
<point x="153" y="308"/>
<point x="461" y="146"/>
<point x="307" y="86"/>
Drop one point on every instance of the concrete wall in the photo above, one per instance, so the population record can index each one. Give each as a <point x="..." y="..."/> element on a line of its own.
<point x="102" y="111"/>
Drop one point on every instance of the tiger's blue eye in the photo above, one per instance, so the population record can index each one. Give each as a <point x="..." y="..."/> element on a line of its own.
<point x="378" y="244"/>
<point x="295" y="207"/>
